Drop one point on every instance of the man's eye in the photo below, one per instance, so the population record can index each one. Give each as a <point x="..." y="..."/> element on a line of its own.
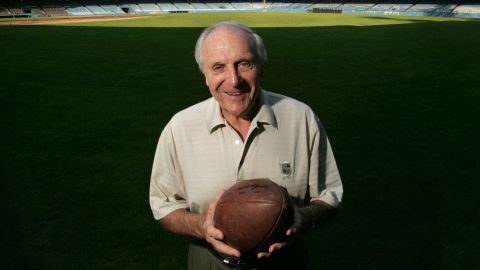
<point x="217" y="68"/>
<point x="245" y="65"/>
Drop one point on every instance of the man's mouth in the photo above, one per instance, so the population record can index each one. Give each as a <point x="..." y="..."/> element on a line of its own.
<point x="234" y="93"/>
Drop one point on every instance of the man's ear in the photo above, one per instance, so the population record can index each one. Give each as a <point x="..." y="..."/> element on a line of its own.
<point x="206" y="81"/>
<point x="259" y="66"/>
<point x="261" y="72"/>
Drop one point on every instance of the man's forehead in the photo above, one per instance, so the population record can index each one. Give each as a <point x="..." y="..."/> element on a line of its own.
<point x="225" y="36"/>
<point x="228" y="30"/>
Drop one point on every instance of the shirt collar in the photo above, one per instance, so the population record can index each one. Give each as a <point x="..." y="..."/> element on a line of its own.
<point x="265" y="114"/>
<point x="214" y="116"/>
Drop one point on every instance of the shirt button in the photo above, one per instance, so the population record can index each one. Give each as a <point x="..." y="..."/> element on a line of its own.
<point x="237" y="142"/>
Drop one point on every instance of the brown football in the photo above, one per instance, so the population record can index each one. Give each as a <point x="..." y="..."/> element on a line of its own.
<point x="252" y="214"/>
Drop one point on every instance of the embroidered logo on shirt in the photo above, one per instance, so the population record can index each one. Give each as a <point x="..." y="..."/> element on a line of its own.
<point x="286" y="168"/>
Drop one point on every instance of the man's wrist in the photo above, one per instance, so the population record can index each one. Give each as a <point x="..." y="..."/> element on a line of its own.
<point x="321" y="212"/>
<point x="312" y="216"/>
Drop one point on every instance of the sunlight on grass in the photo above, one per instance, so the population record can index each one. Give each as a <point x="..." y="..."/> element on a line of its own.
<point x="259" y="19"/>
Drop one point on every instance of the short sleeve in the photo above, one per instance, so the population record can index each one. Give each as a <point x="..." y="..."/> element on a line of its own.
<point x="325" y="182"/>
<point x="167" y="192"/>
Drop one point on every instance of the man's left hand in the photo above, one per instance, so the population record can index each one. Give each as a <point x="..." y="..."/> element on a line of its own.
<point x="303" y="221"/>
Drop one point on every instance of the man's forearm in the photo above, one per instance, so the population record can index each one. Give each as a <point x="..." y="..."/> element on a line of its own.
<point x="184" y="222"/>
<point x="321" y="212"/>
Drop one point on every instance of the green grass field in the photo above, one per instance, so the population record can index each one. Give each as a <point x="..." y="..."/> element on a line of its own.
<point x="82" y="107"/>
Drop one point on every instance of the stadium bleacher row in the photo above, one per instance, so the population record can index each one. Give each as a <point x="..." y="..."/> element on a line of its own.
<point x="36" y="8"/>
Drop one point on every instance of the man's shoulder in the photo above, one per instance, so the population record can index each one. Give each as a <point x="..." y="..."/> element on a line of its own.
<point x="291" y="113"/>
<point x="193" y="112"/>
<point x="191" y="118"/>
<point x="282" y="102"/>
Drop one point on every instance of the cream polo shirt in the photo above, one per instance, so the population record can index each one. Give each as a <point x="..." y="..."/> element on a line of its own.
<point x="199" y="154"/>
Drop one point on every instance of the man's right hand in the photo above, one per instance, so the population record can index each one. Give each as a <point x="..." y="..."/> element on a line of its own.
<point x="184" y="222"/>
<point x="213" y="235"/>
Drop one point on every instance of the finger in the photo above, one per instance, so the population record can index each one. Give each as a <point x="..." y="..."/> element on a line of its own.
<point x="209" y="224"/>
<point x="276" y="246"/>
<point x="214" y="233"/>
<point x="290" y="232"/>
<point x="224" y="248"/>
<point x="261" y="255"/>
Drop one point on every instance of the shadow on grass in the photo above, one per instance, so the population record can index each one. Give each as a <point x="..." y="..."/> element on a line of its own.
<point x="82" y="109"/>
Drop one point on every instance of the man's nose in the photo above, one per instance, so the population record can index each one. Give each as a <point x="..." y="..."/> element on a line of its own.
<point x="234" y="77"/>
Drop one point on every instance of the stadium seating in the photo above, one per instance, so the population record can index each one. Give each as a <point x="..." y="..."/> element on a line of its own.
<point x="300" y="6"/>
<point x="242" y="5"/>
<point x="200" y="6"/>
<point x="391" y="7"/>
<point x="38" y="11"/>
<point x="54" y="11"/>
<point x="149" y="7"/>
<point x="451" y="8"/>
<point x="333" y="5"/>
<point x="185" y="6"/>
<point x="468" y="9"/>
<point x="97" y="10"/>
<point x="167" y="7"/>
<point x="112" y="9"/>
<point x="134" y="8"/>
<point x="354" y="6"/>
<point x="15" y="10"/>
<point x="4" y="11"/>
<point x="79" y="11"/>
<point x="221" y="6"/>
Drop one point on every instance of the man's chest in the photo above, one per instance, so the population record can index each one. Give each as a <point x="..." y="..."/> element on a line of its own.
<point x="221" y="159"/>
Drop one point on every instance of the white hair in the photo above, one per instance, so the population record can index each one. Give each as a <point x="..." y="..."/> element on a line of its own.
<point x="254" y="40"/>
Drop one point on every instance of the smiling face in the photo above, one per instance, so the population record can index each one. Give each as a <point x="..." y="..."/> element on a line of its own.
<point x="231" y="72"/>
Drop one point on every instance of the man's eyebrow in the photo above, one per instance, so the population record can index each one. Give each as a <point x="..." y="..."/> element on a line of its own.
<point x="248" y="59"/>
<point x="216" y="63"/>
<point x="239" y="60"/>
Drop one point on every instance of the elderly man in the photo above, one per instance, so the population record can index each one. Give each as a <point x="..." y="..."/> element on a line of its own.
<point x="242" y="132"/>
